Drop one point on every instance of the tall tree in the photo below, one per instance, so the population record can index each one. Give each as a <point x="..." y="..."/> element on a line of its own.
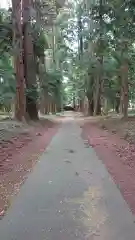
<point x="29" y="62"/>
<point x="18" y="59"/>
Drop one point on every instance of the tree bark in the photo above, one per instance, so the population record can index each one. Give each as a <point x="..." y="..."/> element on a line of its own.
<point x="99" y="79"/>
<point x="124" y="72"/>
<point x="90" y="110"/>
<point x="29" y="63"/>
<point x="81" y="107"/>
<point x="117" y="106"/>
<point x="74" y="103"/>
<point x="97" y="96"/>
<point x="18" y="60"/>
<point x="80" y="37"/>
<point x="117" y="102"/>
<point x="90" y="107"/>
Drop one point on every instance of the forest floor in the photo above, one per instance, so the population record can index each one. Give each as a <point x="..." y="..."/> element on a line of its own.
<point x="114" y="142"/>
<point x="20" y="145"/>
<point x="70" y="195"/>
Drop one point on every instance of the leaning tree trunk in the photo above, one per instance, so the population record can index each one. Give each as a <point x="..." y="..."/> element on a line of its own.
<point x="29" y="63"/>
<point x="18" y="60"/>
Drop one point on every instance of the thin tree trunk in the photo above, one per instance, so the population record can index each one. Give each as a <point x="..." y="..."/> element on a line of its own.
<point x="97" y="96"/>
<point x="80" y="38"/>
<point x="117" y="106"/>
<point x="99" y="79"/>
<point x="117" y="102"/>
<point x="124" y="73"/>
<point x="121" y="100"/>
<point x="18" y="60"/>
<point x="46" y="102"/>
<point x="81" y="107"/>
<point x="90" y="110"/>
<point x="73" y="100"/>
<point x="42" y="104"/>
<point x="90" y="107"/>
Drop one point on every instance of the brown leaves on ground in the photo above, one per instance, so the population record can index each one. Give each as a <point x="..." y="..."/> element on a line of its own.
<point x="124" y="128"/>
<point x="19" y="149"/>
<point x="114" y="142"/>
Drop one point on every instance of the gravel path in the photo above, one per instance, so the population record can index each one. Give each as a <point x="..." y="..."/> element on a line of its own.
<point x="69" y="196"/>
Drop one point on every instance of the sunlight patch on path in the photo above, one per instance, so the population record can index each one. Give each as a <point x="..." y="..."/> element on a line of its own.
<point x="93" y="216"/>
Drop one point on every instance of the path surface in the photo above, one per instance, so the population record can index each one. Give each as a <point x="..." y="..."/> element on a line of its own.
<point x="68" y="196"/>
